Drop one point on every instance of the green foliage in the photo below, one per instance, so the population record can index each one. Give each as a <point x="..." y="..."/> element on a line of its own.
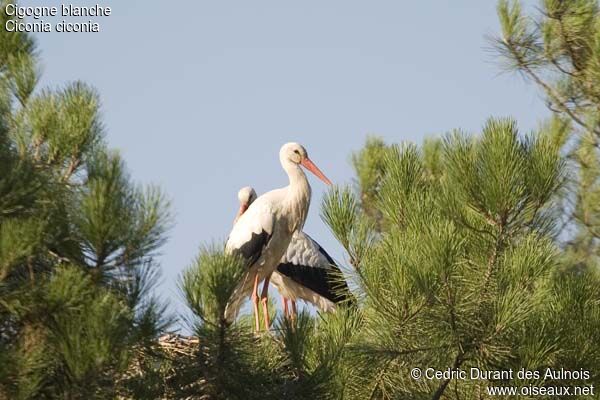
<point x="208" y="285"/>
<point x="226" y="364"/>
<point x="575" y="314"/>
<point x="61" y="127"/>
<point x="90" y="329"/>
<point x="465" y="272"/>
<point x="19" y="240"/>
<point x="558" y="49"/>
<point x="343" y="216"/>
<point x="368" y="164"/>
<point x="77" y="242"/>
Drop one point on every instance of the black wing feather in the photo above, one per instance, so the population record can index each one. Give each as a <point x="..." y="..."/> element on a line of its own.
<point x="252" y="249"/>
<point x="327" y="282"/>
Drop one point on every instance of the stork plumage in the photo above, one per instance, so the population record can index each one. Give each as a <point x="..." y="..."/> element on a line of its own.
<point x="305" y="272"/>
<point x="263" y="232"/>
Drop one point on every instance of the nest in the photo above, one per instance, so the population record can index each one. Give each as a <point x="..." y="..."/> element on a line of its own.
<point x="170" y="358"/>
<point x="176" y="345"/>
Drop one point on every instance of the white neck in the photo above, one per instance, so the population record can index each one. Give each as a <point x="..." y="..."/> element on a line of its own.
<point x="297" y="199"/>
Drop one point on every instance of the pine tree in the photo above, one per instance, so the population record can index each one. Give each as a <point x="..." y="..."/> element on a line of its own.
<point x="558" y="50"/>
<point x="465" y="273"/>
<point x="78" y="241"/>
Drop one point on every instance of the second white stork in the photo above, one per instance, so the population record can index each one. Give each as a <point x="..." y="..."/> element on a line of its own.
<point x="262" y="233"/>
<point x="306" y="272"/>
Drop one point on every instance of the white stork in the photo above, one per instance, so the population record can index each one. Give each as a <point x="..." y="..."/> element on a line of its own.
<point x="262" y="233"/>
<point x="305" y="271"/>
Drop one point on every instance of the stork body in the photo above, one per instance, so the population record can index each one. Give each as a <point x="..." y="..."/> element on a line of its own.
<point x="263" y="232"/>
<point x="305" y="271"/>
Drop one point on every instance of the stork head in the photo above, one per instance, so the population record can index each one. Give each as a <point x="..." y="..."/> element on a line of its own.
<point x="295" y="153"/>
<point x="246" y="196"/>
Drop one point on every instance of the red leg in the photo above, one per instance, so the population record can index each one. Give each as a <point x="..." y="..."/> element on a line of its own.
<point x="255" y="303"/>
<point x="265" y="302"/>
<point x="286" y="311"/>
<point x="294" y="311"/>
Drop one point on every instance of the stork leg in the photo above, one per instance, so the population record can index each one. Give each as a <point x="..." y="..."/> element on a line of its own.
<point x="255" y="303"/>
<point x="285" y="306"/>
<point x="265" y="302"/>
<point x="294" y="311"/>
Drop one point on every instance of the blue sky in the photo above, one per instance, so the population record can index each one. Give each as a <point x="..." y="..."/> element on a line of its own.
<point x="199" y="95"/>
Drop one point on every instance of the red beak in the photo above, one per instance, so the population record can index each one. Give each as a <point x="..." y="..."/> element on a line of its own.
<point x="243" y="208"/>
<point x="309" y="165"/>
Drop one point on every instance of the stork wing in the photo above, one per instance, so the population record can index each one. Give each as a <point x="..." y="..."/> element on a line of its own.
<point x="304" y="250"/>
<point x="251" y="234"/>
<point x="309" y="265"/>
<point x="249" y="237"/>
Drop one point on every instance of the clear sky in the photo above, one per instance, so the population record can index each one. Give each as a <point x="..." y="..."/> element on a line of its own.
<point x="199" y="95"/>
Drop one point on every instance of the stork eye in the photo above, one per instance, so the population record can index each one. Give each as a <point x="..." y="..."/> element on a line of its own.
<point x="297" y="152"/>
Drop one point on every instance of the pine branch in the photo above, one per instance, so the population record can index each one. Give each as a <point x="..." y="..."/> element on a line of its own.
<point x="491" y="262"/>
<point x="73" y="165"/>
<point x="379" y="379"/>
<point x="568" y="44"/>
<point x="458" y="360"/>
<point x="556" y="98"/>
